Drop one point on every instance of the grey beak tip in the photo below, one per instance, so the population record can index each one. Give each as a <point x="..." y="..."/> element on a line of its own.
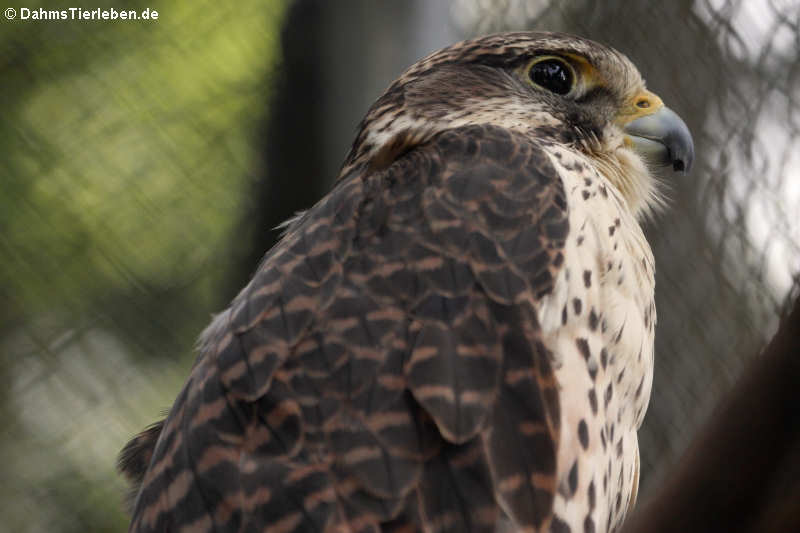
<point x="667" y="129"/>
<point x="682" y="162"/>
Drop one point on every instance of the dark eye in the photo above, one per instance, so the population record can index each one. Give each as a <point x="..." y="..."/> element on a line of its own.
<point x="553" y="75"/>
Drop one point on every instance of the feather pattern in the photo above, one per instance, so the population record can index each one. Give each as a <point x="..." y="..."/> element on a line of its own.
<point x="387" y="349"/>
<point x="458" y="337"/>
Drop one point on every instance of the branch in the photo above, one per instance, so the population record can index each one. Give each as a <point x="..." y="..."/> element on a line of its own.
<point x="742" y="472"/>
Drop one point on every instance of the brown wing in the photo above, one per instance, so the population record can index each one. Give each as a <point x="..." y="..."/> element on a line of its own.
<point x="383" y="370"/>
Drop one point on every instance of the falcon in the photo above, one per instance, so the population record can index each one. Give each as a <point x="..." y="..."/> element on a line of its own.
<point x="459" y="336"/>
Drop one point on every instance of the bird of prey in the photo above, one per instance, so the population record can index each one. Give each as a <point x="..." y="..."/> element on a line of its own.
<point x="459" y="336"/>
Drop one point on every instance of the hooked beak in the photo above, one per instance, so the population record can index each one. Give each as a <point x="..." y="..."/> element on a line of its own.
<point x="663" y="139"/>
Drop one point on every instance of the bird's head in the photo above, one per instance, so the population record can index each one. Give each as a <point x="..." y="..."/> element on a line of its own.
<point x="558" y="88"/>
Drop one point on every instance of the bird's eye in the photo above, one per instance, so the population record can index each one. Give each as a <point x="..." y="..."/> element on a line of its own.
<point x="552" y="74"/>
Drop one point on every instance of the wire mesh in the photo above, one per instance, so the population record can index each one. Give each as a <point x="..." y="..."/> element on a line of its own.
<point x="131" y="154"/>
<point x="727" y="248"/>
<point x="127" y="149"/>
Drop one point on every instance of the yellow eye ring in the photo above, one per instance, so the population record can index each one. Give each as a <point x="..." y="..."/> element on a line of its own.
<point x="552" y="73"/>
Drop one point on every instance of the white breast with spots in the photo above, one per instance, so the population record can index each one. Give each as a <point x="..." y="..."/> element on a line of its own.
<point x="599" y="324"/>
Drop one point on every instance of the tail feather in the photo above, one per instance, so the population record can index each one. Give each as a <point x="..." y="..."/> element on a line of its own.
<point x="135" y="457"/>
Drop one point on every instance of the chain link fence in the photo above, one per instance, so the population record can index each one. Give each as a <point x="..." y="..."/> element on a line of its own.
<point x="142" y="165"/>
<point x="728" y="247"/>
<point x="127" y="149"/>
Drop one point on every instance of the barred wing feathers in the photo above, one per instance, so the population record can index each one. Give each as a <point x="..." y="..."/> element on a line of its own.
<point x="384" y="370"/>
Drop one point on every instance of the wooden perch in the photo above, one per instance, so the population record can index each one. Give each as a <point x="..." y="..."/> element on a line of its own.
<point x="742" y="472"/>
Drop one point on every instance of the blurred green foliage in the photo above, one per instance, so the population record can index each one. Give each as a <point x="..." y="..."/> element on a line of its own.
<point x="134" y="198"/>
<point x="126" y="154"/>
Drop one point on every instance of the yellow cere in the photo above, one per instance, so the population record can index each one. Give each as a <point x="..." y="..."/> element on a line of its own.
<point x="642" y="104"/>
